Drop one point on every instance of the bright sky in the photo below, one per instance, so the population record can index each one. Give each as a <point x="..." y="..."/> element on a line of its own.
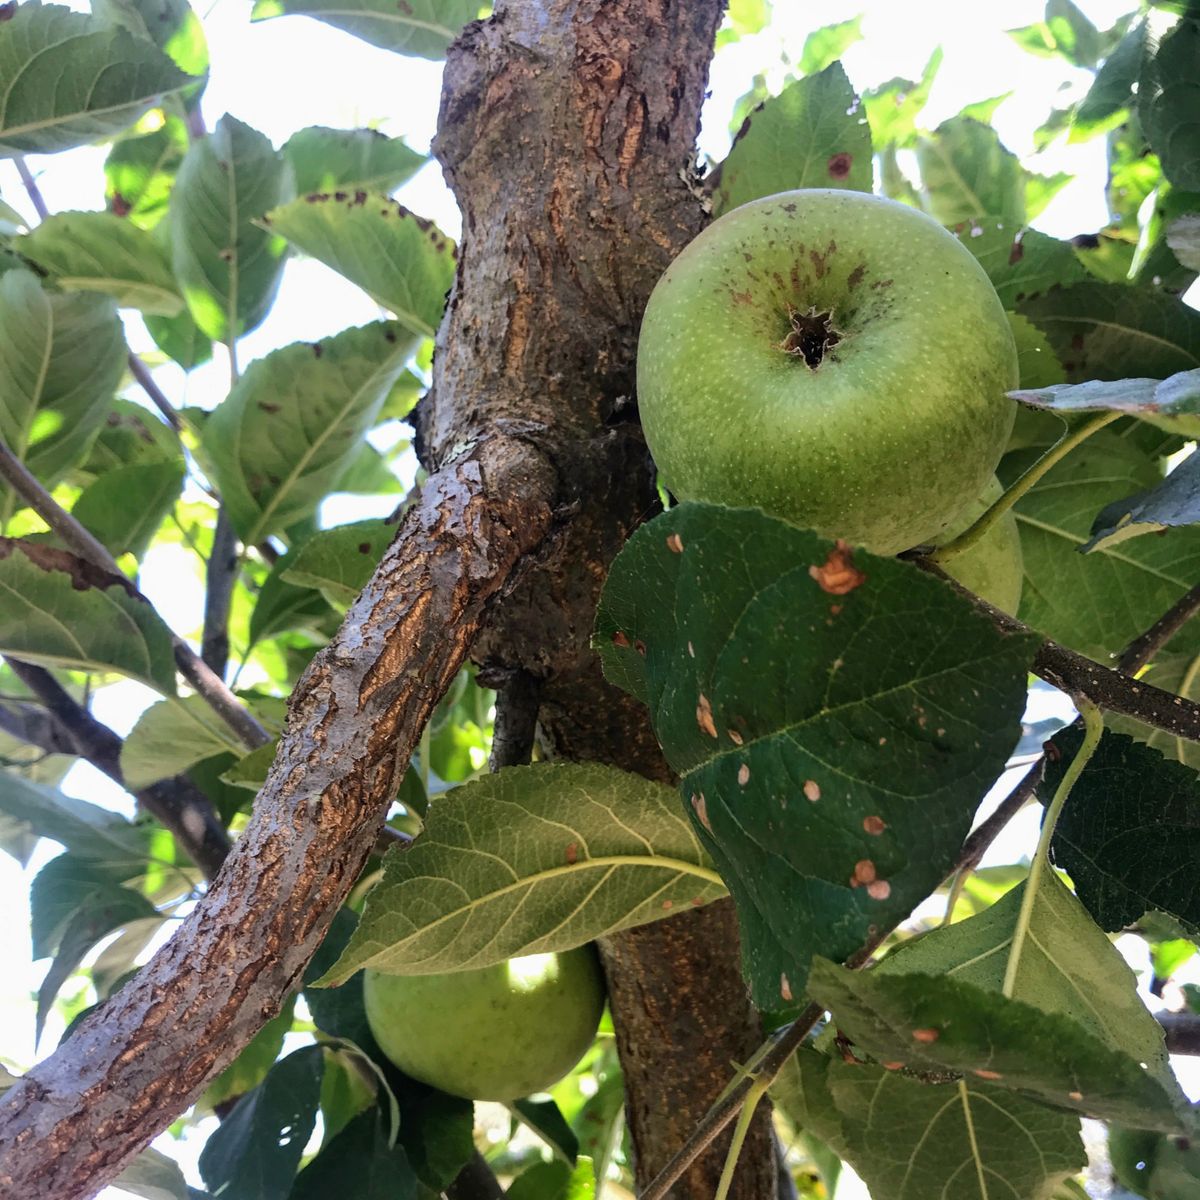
<point x="282" y="75"/>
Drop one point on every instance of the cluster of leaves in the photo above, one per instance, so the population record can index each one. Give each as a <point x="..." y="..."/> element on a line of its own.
<point x="832" y="748"/>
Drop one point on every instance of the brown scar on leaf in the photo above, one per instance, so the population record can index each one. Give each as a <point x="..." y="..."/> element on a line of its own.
<point x="735" y="737"/>
<point x="640" y="647"/>
<point x="879" y="889"/>
<point x="812" y="790"/>
<point x="864" y="870"/>
<point x="84" y="576"/>
<point x="621" y="639"/>
<point x="892" y="1066"/>
<point x="785" y="987"/>
<point x="926" y="1036"/>
<point x="743" y="774"/>
<point x="987" y="1074"/>
<point x="675" y="543"/>
<point x="1076" y="1096"/>
<point x="704" y="717"/>
<point x="666" y="904"/>
<point x="839" y="165"/>
<point x="874" y="825"/>
<point x="572" y="853"/>
<point x="838" y="575"/>
<point x="700" y="805"/>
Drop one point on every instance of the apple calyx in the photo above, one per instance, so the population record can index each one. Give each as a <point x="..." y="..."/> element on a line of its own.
<point x="812" y="333"/>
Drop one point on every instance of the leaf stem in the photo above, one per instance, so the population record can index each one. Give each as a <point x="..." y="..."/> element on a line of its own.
<point x="979" y="530"/>
<point x="1093" y="728"/>
<point x="756" y="1091"/>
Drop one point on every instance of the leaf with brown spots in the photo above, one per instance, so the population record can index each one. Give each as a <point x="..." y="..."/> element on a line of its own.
<point x="838" y="575"/>
<point x="804" y="731"/>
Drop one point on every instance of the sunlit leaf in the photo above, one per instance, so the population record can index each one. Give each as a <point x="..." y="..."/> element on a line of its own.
<point x="328" y="160"/>
<point x="170" y="737"/>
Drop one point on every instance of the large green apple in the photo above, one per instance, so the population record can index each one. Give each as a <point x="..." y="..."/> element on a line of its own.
<point x="493" y="1034"/>
<point x="994" y="567"/>
<point x="834" y="358"/>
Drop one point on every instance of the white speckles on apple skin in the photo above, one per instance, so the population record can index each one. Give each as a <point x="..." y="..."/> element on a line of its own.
<point x="903" y="421"/>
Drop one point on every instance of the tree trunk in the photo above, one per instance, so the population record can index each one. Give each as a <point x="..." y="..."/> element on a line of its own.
<point x="567" y="131"/>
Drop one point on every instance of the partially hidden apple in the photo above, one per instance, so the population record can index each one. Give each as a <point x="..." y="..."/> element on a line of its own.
<point x="993" y="568"/>
<point x="837" y="359"/>
<point x="497" y="1033"/>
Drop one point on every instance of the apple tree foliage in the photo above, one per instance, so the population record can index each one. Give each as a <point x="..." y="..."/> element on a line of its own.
<point x="835" y="722"/>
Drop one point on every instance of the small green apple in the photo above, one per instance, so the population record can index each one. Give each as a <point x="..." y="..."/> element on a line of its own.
<point x="834" y="358"/>
<point x="493" y="1034"/>
<point x="993" y="568"/>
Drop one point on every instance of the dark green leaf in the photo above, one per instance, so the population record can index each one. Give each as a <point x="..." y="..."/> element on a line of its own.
<point x="1177" y="672"/>
<point x="140" y="171"/>
<point x="359" y="1163"/>
<point x="1021" y="263"/>
<point x="1130" y="835"/>
<point x="131" y="436"/>
<point x="909" y="1140"/>
<point x="282" y="607"/>
<point x="100" y="252"/>
<point x="327" y="160"/>
<point x="125" y="507"/>
<point x="227" y="265"/>
<point x="339" y="561"/>
<point x="421" y="27"/>
<point x="527" y="861"/>
<point x="1183" y="237"/>
<point x="1158" y="262"/>
<point x="966" y="174"/>
<point x="1169" y="103"/>
<point x="1172" y="503"/>
<point x="832" y="744"/>
<point x="554" y="1181"/>
<point x="1039" y="368"/>
<point x="61" y="357"/>
<point x="180" y="339"/>
<point x="811" y="135"/>
<point x="254" y="1153"/>
<point x="546" y="1120"/>
<point x="339" y="1011"/>
<point x="1113" y="88"/>
<point x="62" y="612"/>
<point x="400" y="260"/>
<point x="70" y="79"/>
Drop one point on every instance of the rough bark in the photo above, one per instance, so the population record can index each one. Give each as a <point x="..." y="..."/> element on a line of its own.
<point x="354" y="719"/>
<point x="567" y="132"/>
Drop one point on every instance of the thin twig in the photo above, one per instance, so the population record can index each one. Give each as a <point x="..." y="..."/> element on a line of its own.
<point x="31" y="188"/>
<point x="177" y="803"/>
<point x="207" y="684"/>
<point x="517" y="703"/>
<point x="158" y="398"/>
<point x="218" y="593"/>
<point x="1182" y="1031"/>
<point x="1146" y="645"/>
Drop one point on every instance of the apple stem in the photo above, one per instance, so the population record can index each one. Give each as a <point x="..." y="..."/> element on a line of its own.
<point x="976" y="532"/>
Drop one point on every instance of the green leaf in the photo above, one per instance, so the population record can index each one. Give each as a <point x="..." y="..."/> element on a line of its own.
<point x="1112" y="91"/>
<point x="1065" y="965"/>
<point x="1131" y="833"/>
<point x="170" y="24"/>
<point x="140" y="172"/>
<point x="966" y="174"/>
<point x="1038" y="364"/>
<point x="1097" y="602"/>
<point x="420" y="27"/>
<point x="1183" y="237"/>
<point x="1168" y="101"/>
<point x="125" y="507"/>
<point x="826" y="45"/>
<point x="1178" y="673"/>
<point x="340" y="561"/>
<point x="292" y="424"/>
<point x="554" y="1181"/>
<point x="893" y="107"/>
<point x="933" y="1023"/>
<point x="70" y="79"/>
<point x="100" y="252"/>
<point x="255" y="1151"/>
<point x="131" y="436"/>
<point x="833" y="744"/>
<point x="228" y="265"/>
<point x="283" y="607"/>
<point x="171" y="736"/>
<point x="63" y="612"/>
<point x="546" y="1120"/>
<point x="810" y="135"/>
<point x="359" y="1162"/>
<point x="61" y="358"/>
<point x="251" y="1066"/>
<point x="73" y="905"/>
<point x="403" y="262"/>
<point x="326" y="160"/>
<point x="909" y="1140"/>
<point x="181" y="339"/>
<point x="339" y="1011"/>
<point x="152" y="1176"/>
<point x="528" y="861"/>
<point x="88" y="831"/>
<point x="1178" y="395"/>
<point x="1021" y="263"/>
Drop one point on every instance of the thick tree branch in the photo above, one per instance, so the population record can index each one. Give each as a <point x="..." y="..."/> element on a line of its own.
<point x="515" y="727"/>
<point x="1182" y="1030"/>
<point x="219" y="580"/>
<point x="354" y="719"/>
<point x="207" y="684"/>
<point x="177" y="803"/>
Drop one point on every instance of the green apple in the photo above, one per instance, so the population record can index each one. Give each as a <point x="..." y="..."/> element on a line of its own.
<point x="992" y="568"/>
<point x="834" y="358"/>
<point x="493" y="1034"/>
